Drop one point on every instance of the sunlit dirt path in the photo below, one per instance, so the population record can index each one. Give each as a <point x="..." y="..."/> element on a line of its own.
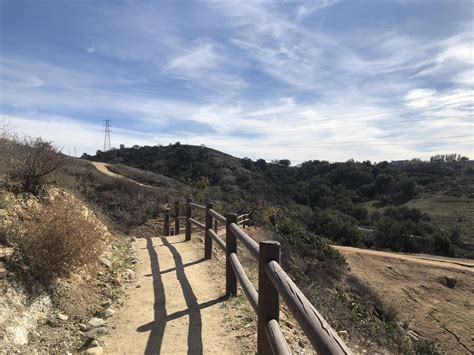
<point x="175" y="306"/>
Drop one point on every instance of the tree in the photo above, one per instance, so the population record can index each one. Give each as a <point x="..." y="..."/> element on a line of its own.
<point x="407" y="188"/>
<point x="261" y="163"/>
<point x="443" y="244"/>
<point x="318" y="193"/>
<point x="383" y="183"/>
<point x="246" y="163"/>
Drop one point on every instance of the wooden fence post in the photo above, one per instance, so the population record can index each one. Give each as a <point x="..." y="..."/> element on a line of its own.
<point x="243" y="224"/>
<point x="167" y="222"/>
<point x="215" y="226"/>
<point x="207" y="236"/>
<point x="188" y="216"/>
<point x="176" y="218"/>
<point x="231" y="247"/>
<point x="268" y="300"/>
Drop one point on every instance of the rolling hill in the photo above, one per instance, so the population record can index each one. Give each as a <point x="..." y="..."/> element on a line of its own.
<point x="427" y="204"/>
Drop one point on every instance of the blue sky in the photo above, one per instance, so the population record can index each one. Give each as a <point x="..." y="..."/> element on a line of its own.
<point x="325" y="79"/>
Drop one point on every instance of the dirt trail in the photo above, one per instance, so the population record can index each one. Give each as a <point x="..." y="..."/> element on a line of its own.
<point x="416" y="289"/>
<point x="452" y="263"/>
<point x="104" y="168"/>
<point x="175" y="306"/>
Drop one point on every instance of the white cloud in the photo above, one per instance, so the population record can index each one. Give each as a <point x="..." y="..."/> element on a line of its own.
<point x="201" y="57"/>
<point x="68" y="133"/>
<point x="251" y="81"/>
<point x="309" y="7"/>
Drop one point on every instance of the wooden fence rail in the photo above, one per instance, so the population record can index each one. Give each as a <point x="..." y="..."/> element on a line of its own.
<point x="273" y="282"/>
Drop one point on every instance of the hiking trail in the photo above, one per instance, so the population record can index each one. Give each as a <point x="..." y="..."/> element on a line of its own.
<point x="175" y="306"/>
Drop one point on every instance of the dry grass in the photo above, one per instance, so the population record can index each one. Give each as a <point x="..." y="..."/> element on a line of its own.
<point x="452" y="213"/>
<point x="58" y="240"/>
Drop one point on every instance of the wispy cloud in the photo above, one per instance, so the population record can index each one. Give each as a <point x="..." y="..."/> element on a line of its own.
<point x="301" y="80"/>
<point x="309" y="7"/>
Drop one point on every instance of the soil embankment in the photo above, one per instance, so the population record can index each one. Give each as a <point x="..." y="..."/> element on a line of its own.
<point x="416" y="287"/>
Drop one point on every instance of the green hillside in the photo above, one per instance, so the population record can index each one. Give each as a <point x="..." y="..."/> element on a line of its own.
<point x="392" y="201"/>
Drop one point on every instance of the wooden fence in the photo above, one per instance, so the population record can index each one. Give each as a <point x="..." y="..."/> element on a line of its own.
<point x="273" y="281"/>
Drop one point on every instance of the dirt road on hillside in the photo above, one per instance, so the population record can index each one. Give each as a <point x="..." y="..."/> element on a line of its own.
<point x="432" y="260"/>
<point x="104" y="168"/>
<point x="415" y="286"/>
<point x="175" y="307"/>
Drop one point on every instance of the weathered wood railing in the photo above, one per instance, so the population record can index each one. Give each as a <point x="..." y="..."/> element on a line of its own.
<point x="273" y="281"/>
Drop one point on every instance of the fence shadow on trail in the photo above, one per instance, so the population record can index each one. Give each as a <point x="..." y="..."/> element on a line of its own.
<point x="193" y="311"/>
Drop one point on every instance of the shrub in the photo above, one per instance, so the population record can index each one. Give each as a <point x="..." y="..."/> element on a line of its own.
<point x="28" y="163"/>
<point x="443" y="243"/>
<point x="426" y="347"/>
<point x="408" y="230"/>
<point x="307" y="244"/>
<point x="58" y="240"/>
<point x="407" y="189"/>
<point x="336" y="226"/>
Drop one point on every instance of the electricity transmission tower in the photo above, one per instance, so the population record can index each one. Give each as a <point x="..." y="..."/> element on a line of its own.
<point x="107" y="127"/>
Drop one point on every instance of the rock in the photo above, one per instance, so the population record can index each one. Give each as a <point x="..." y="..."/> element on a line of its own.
<point x="95" y="350"/>
<point x="93" y="347"/>
<point x="109" y="312"/>
<point x="82" y="327"/>
<point x="95" y="323"/>
<point x="93" y="344"/>
<point x="88" y="342"/>
<point x="97" y="331"/>
<point x="18" y="334"/>
<point x="53" y="322"/>
<point x="106" y="303"/>
<point x="106" y="262"/>
<point x="451" y="281"/>
<point x="62" y="317"/>
<point x="3" y="273"/>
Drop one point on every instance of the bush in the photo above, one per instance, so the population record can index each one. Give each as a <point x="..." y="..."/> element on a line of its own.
<point x="307" y="244"/>
<point x="407" y="189"/>
<point x="29" y="162"/>
<point x="58" y="240"/>
<point x="408" y="230"/>
<point x="336" y="226"/>
<point x="426" y="347"/>
<point x="443" y="243"/>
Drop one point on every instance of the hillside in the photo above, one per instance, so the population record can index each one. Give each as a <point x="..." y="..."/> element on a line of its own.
<point x="416" y="289"/>
<point x="131" y="200"/>
<point x="125" y="203"/>
<point x="410" y="206"/>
